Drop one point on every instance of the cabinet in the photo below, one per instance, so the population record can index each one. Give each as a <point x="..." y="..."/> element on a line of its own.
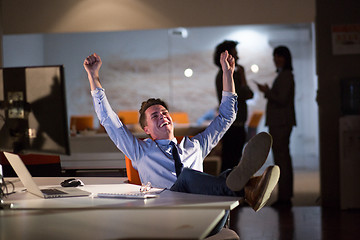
<point x="350" y="161"/>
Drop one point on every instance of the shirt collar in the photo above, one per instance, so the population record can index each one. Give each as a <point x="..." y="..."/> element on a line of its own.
<point x="165" y="142"/>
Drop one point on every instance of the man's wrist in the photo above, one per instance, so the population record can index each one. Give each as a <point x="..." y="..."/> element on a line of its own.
<point x="94" y="76"/>
<point x="229" y="94"/>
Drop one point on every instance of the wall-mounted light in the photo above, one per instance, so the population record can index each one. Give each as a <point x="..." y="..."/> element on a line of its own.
<point x="188" y="72"/>
<point x="182" y="32"/>
<point x="254" y="68"/>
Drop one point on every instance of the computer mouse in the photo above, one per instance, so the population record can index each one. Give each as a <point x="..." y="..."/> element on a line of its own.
<point x="72" y="182"/>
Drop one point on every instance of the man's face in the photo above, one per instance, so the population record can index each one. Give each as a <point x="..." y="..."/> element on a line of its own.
<point x="159" y="124"/>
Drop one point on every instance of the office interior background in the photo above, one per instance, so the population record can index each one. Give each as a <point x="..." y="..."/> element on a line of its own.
<point x="42" y="33"/>
<point x="141" y="64"/>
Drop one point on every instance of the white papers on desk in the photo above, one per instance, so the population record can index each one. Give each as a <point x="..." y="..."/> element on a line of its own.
<point x="133" y="194"/>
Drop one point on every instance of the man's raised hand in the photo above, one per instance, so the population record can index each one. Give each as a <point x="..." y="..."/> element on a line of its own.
<point x="227" y="62"/>
<point x="92" y="64"/>
<point x="228" y="67"/>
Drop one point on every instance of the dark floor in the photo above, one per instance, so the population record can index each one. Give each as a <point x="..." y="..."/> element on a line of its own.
<point x="305" y="220"/>
<point x="299" y="222"/>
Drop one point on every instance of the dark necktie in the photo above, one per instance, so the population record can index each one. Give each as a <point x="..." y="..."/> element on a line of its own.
<point x="176" y="156"/>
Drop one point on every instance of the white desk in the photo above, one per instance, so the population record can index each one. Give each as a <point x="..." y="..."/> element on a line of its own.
<point x="167" y="199"/>
<point x="172" y="215"/>
<point x="109" y="224"/>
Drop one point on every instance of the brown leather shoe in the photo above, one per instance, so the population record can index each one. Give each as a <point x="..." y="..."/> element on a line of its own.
<point x="258" y="189"/>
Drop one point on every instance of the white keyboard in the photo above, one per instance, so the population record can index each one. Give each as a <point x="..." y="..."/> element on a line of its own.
<point x="128" y="195"/>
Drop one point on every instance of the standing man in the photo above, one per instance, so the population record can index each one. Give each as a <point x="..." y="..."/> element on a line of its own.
<point x="235" y="138"/>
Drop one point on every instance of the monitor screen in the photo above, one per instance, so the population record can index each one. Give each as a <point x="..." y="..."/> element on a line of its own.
<point x="33" y="116"/>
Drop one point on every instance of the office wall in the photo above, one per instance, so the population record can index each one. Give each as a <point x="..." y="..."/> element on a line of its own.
<point x="25" y="51"/>
<point x="43" y="16"/>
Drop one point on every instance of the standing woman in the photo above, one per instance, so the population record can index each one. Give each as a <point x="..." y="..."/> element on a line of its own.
<point x="280" y="118"/>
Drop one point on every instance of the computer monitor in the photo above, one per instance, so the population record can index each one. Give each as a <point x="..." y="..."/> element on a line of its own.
<point x="33" y="116"/>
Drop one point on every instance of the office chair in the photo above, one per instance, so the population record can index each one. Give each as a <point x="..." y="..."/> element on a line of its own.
<point x="132" y="173"/>
<point x="129" y="117"/>
<point x="224" y="234"/>
<point x="81" y="122"/>
<point x="180" y="117"/>
<point x="253" y="124"/>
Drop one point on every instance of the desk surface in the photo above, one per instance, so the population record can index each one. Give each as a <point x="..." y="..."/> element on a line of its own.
<point x="170" y="216"/>
<point x="167" y="199"/>
<point x="109" y="224"/>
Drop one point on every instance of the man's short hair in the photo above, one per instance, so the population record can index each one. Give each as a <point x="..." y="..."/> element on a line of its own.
<point x="145" y="105"/>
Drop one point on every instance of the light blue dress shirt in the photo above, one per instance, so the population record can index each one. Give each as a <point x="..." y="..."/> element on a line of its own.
<point x="153" y="159"/>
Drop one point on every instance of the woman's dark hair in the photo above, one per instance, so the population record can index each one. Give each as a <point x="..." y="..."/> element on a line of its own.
<point x="145" y="105"/>
<point x="222" y="47"/>
<point x="284" y="52"/>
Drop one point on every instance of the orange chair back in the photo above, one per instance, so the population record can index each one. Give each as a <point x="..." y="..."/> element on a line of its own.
<point x="132" y="173"/>
<point x="129" y="117"/>
<point x="255" y="119"/>
<point x="82" y="122"/>
<point x="180" y="117"/>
